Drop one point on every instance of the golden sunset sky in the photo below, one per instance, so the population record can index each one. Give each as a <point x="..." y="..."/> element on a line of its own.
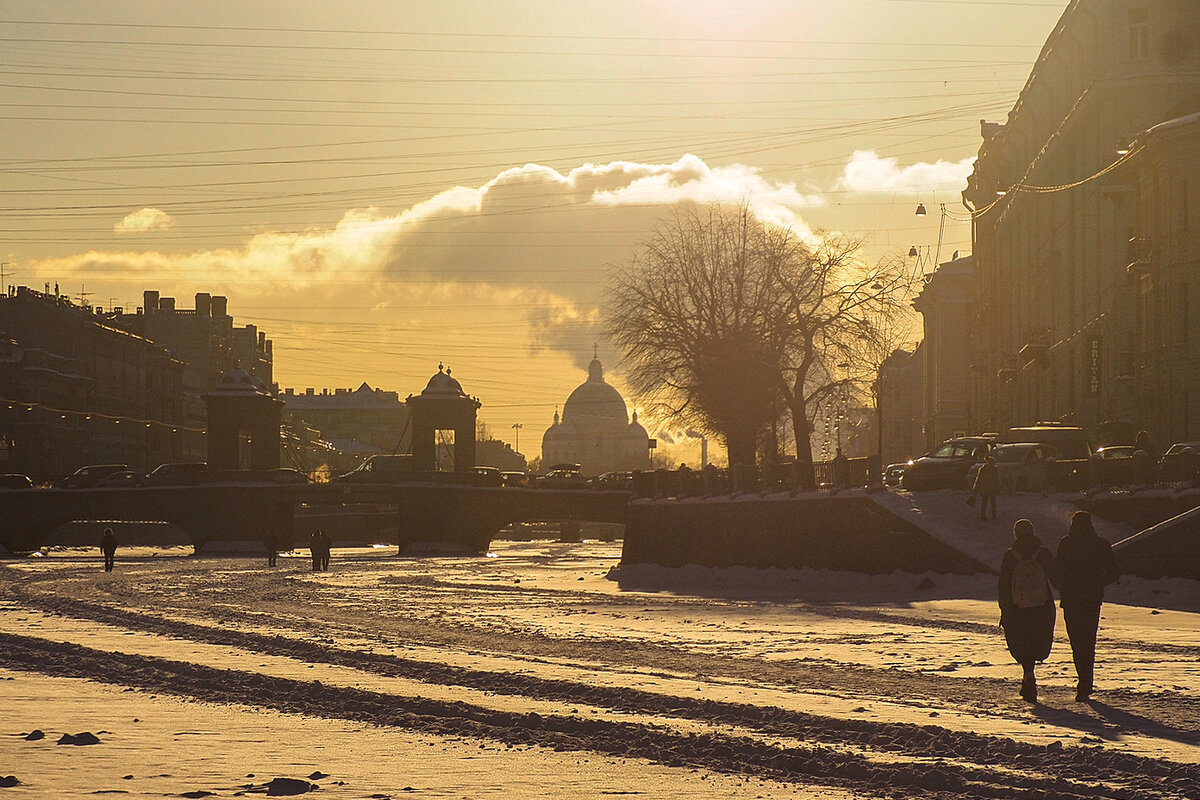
<point x="381" y="186"/>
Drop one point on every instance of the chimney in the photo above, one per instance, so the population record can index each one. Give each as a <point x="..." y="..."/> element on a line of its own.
<point x="166" y="305"/>
<point x="150" y="301"/>
<point x="219" y="306"/>
<point x="308" y="392"/>
<point x="203" y="305"/>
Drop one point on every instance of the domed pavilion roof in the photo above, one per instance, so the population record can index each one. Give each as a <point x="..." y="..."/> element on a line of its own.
<point x="595" y="397"/>
<point x="442" y="385"/>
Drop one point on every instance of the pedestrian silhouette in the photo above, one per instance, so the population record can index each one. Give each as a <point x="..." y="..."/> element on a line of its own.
<point x="326" y="546"/>
<point x="987" y="486"/>
<point x="1086" y="565"/>
<point x="1027" y="603"/>
<point x="841" y="470"/>
<point x="314" y="549"/>
<point x="271" y="542"/>
<point x="108" y="546"/>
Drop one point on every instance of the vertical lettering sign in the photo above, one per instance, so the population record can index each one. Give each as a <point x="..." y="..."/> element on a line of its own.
<point x="1095" y="353"/>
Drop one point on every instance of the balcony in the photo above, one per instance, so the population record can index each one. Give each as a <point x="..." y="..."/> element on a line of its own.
<point x="1139" y="256"/>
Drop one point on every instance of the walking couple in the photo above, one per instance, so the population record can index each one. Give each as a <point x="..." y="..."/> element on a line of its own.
<point x="1083" y="566"/>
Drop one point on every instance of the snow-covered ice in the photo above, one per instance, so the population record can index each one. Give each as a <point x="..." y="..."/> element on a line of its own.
<point x="548" y="670"/>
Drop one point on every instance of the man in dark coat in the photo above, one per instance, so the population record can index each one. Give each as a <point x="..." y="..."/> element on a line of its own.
<point x="1027" y="603"/>
<point x="314" y="549"/>
<point x="271" y="542"/>
<point x="1086" y="565"/>
<point x="326" y="547"/>
<point x="987" y="486"/>
<point x="108" y="546"/>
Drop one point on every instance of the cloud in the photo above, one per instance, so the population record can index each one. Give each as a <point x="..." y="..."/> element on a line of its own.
<point x="866" y="172"/>
<point x="148" y="219"/>
<point x="533" y="239"/>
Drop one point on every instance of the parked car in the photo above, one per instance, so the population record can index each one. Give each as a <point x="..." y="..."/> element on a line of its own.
<point x="380" y="469"/>
<point x="288" y="475"/>
<point x="893" y="473"/>
<point x="12" y="480"/>
<point x="946" y="466"/>
<point x="182" y="473"/>
<point x="562" y="476"/>
<point x="1023" y="466"/>
<point x="514" y="478"/>
<point x="1181" y="462"/>
<point x="618" y="480"/>
<point x="487" y="476"/>
<point x="125" y="479"/>
<point x="1071" y="441"/>
<point x="89" y="476"/>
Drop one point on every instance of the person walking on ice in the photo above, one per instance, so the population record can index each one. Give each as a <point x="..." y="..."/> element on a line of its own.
<point x="1027" y="602"/>
<point x="1086" y="565"/>
<point x="987" y="486"/>
<point x="108" y="546"/>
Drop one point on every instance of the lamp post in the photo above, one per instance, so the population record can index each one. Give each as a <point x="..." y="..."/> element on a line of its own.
<point x="517" y="427"/>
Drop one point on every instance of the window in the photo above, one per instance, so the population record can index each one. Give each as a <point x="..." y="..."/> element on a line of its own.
<point x="1139" y="34"/>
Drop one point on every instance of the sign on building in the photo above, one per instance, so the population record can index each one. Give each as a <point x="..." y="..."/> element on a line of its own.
<point x="1094" y="360"/>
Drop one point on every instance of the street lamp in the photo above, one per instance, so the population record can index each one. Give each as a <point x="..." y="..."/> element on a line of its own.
<point x="517" y="427"/>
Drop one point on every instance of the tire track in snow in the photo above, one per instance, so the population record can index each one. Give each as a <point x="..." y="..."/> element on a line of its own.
<point x="899" y="740"/>
<point x="816" y="764"/>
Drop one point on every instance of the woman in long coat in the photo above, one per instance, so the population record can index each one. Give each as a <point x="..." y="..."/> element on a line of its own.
<point x="1027" y="602"/>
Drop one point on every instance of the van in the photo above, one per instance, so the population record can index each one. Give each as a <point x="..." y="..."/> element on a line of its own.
<point x="1070" y="440"/>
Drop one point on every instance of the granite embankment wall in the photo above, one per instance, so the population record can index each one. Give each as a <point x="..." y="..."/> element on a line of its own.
<point x="818" y="531"/>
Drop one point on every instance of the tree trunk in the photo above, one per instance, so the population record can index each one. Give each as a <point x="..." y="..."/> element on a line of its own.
<point x="806" y="476"/>
<point x="742" y="448"/>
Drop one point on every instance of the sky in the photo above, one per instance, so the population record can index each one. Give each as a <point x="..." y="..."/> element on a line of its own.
<point x="384" y="186"/>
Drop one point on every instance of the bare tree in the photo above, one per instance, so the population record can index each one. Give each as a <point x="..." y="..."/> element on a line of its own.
<point x="723" y="319"/>
<point x="692" y="314"/>
<point x="839" y="313"/>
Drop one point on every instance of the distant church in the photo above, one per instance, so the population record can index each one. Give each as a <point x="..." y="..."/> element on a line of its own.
<point x="595" y="430"/>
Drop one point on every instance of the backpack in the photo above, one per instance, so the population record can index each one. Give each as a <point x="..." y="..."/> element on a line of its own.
<point x="1029" y="585"/>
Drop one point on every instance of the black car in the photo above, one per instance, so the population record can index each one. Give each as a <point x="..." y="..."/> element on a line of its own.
<point x="12" y="480"/>
<point x="125" y="479"/>
<point x="183" y="473"/>
<point x="89" y="476"/>
<point x="619" y="480"/>
<point x="946" y="467"/>
<point x="1181" y="462"/>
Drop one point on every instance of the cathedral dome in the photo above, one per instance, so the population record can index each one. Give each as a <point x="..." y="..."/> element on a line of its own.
<point x="558" y="432"/>
<point x="595" y="398"/>
<point x="635" y="431"/>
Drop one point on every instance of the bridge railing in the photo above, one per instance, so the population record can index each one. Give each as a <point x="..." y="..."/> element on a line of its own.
<point x="778" y="477"/>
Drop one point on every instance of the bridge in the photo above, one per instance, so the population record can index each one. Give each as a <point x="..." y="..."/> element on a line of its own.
<point x="462" y="515"/>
